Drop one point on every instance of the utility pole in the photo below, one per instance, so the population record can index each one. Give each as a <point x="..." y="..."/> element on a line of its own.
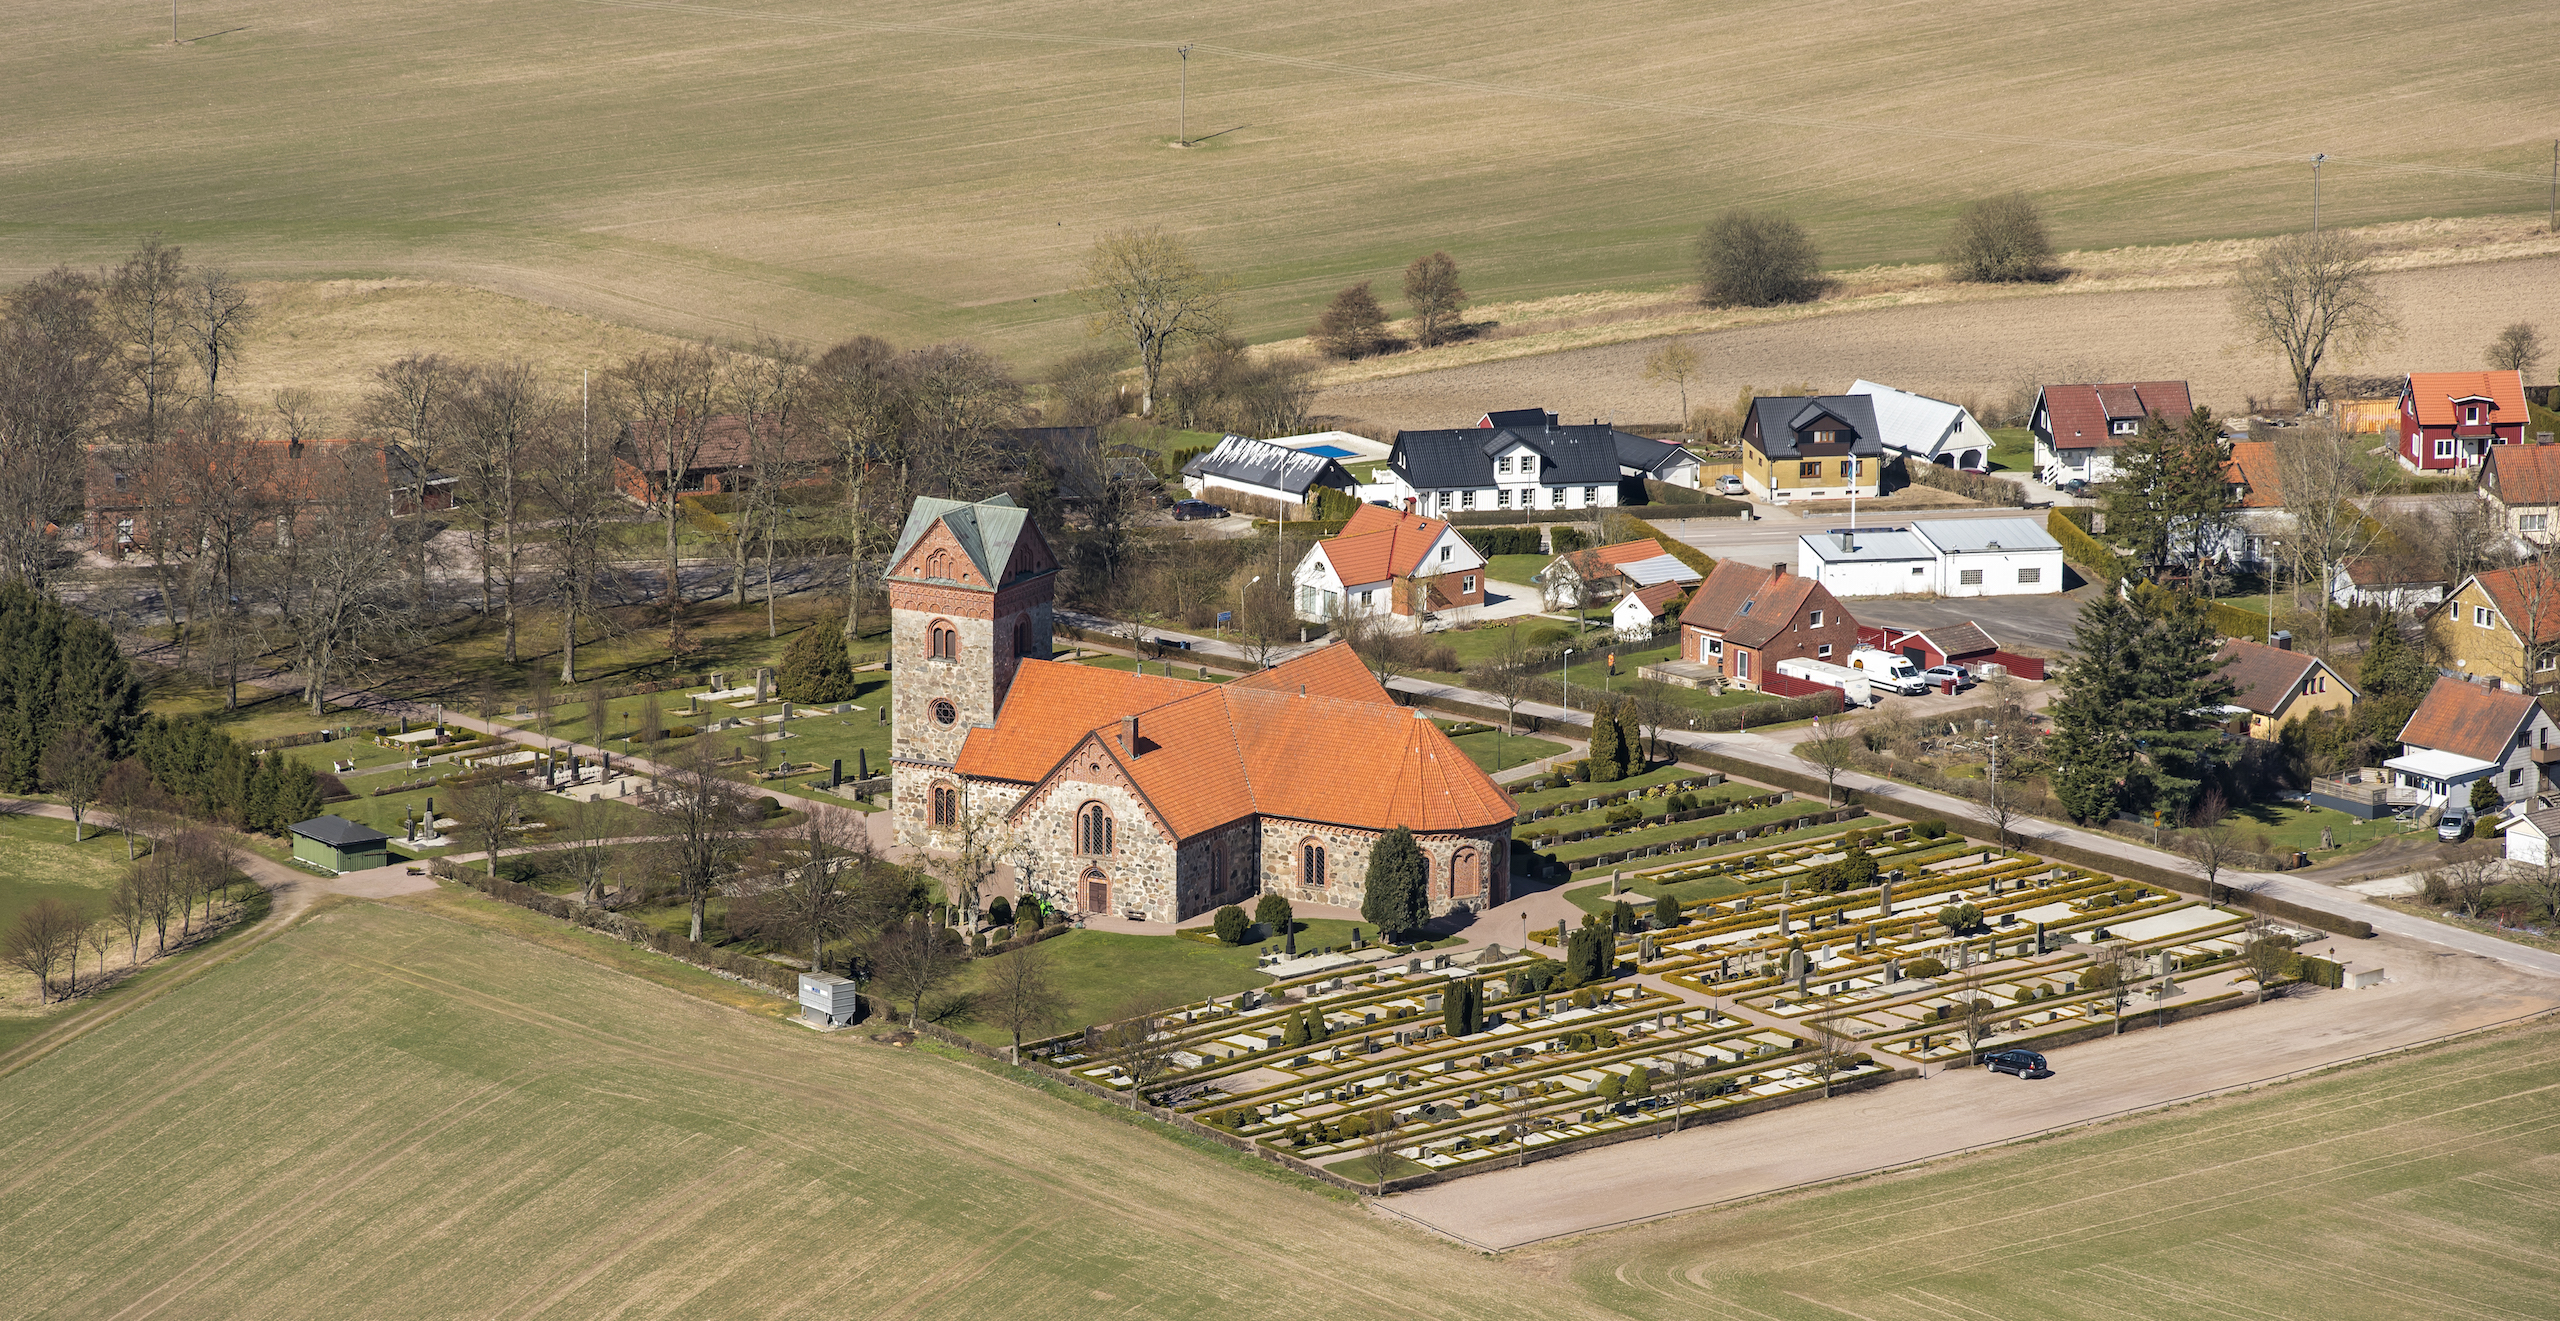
<point x="1182" y="104"/>
<point x="2555" y="185"/>
<point x="2315" y="190"/>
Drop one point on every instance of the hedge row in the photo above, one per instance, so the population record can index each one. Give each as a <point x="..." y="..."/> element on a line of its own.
<point x="1689" y="842"/>
<point x="2082" y="549"/>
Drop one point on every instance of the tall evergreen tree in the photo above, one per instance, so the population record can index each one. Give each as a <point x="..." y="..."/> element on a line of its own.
<point x="2091" y="754"/>
<point x="1394" y="900"/>
<point x="1608" y="744"/>
<point x="2170" y="499"/>
<point x="2178" y="690"/>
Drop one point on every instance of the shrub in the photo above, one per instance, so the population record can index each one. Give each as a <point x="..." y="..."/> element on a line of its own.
<point x="682" y="731"/>
<point x="1622" y="917"/>
<point x="1502" y="540"/>
<point x="1924" y="967"/>
<point x="769" y="805"/>
<point x="1960" y="918"/>
<point x="1999" y="240"/>
<point x="1272" y="911"/>
<point x="1232" y="925"/>
<point x="1622" y="814"/>
<point x="1752" y="258"/>
<point x="1666" y="912"/>
<point x="1567" y="540"/>
<point x="1553" y="635"/>
<point x="817" y="667"/>
<point x="1353" y="325"/>
<point x="1000" y="912"/>
<point x="1929" y="829"/>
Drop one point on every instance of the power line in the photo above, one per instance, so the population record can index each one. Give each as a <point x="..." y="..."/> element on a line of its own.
<point x="1341" y="69"/>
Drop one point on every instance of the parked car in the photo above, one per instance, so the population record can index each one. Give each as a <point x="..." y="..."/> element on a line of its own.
<point x="1940" y="674"/>
<point x="2074" y="488"/>
<point x="2022" y="1063"/>
<point x="2455" y="823"/>
<point x="1185" y="510"/>
<point x="1730" y="485"/>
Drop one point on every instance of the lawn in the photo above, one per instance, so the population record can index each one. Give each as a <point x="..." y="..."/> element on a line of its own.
<point x="1516" y="569"/>
<point x="2386" y="1190"/>
<point x="2286" y="827"/>
<point x="1753" y="819"/>
<point x="1578" y="792"/>
<point x="1494" y="750"/>
<point x="39" y="861"/>
<point x="393" y="1113"/>
<point x="2013" y="449"/>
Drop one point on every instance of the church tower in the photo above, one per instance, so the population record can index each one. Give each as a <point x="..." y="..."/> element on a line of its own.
<point x="970" y="588"/>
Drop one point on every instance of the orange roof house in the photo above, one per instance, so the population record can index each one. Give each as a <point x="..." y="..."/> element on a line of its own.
<point x="2252" y="476"/>
<point x="1389" y="563"/>
<point x="2450" y="420"/>
<point x="2524" y="482"/>
<point x="1744" y="619"/>
<point x="2465" y="732"/>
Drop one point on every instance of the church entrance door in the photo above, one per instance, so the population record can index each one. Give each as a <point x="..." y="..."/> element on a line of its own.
<point x="1097" y="895"/>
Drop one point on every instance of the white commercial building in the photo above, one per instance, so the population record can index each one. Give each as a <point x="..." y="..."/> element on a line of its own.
<point x="1992" y="556"/>
<point x="1868" y="562"/>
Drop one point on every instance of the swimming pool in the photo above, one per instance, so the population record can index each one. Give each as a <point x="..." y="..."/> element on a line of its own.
<point x="1327" y="451"/>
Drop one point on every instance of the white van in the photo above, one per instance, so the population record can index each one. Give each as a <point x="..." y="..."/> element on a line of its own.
<point x="1888" y="670"/>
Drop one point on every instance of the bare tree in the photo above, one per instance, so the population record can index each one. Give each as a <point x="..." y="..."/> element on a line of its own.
<point x="130" y="912"/>
<point x="2308" y="295"/>
<point x="1828" y="751"/>
<point x="502" y="414"/>
<point x="913" y="958"/>
<point x="1380" y="1143"/>
<point x="1265" y="621"/>
<point x="808" y="896"/>
<point x="574" y="497"/>
<point x="2263" y="953"/>
<point x="2323" y="474"/>
<point x="1675" y="361"/>
<point x="214" y="313"/>
<point x="1146" y="288"/>
<point x="772" y="385"/>
<point x="412" y="400"/>
<point x="1999" y="239"/>
<point x="334" y="590"/>
<point x="57" y="372"/>
<point x="1019" y="996"/>
<point x="297" y="414"/>
<point x="227" y="488"/>
<point x="583" y="844"/>
<point x="74" y="766"/>
<point x="1507" y="678"/>
<point x="2214" y="850"/>
<point x="2467" y="880"/>
<point x="672" y="394"/>
<point x="1975" y="1012"/>
<point x="702" y="813"/>
<point x="46" y="933"/>
<point x="1431" y="286"/>
<point x="2518" y="348"/>
<point x="1830" y="1053"/>
<point x="859" y="401"/>
<point x="143" y="301"/>
<point x="2113" y="972"/>
<point x="494" y="814"/>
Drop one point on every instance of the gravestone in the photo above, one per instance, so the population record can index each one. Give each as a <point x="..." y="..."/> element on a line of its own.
<point x="786" y="713"/>
<point x="764" y="683"/>
<point x="1431" y="1004"/>
<point x="2040" y="945"/>
<point x="1892" y="970"/>
<point x="835" y="773"/>
<point x="1784" y="927"/>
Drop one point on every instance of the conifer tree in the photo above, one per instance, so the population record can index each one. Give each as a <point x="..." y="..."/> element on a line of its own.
<point x="1608" y="745"/>
<point x="1394" y="900"/>
<point x="817" y="668"/>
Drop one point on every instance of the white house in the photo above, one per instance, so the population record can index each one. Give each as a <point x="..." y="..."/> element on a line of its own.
<point x="1939" y="556"/>
<point x="1387" y="563"/>
<point x="1926" y="430"/>
<point x="1992" y="556"/>
<point x="1639" y="612"/>
<point x="1241" y="465"/>
<point x="2529" y="837"/>
<point x="1522" y="459"/>
<point x="1884" y="561"/>
<point x="2078" y="429"/>
<point x="2369" y="581"/>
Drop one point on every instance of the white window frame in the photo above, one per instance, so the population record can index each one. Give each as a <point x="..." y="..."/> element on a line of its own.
<point x="2444" y="447"/>
<point x="1467" y="585"/>
<point x="2123" y="427"/>
<point x="1467" y="499"/>
<point x="1590" y="495"/>
<point x="1814" y="620"/>
<point x="2480" y="616"/>
<point x="1822" y="652"/>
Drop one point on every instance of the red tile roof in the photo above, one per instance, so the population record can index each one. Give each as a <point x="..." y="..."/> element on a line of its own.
<point x="2434" y="392"/>
<point x="2468" y="719"/>
<point x="1340" y="752"/>
<point x="1658" y="596"/>
<point x="2253" y="469"/>
<point x="1379" y="544"/>
<point x="2078" y="414"/>
<point x="1749" y="605"/>
<point x="1628" y="552"/>
<point x="2528" y="599"/>
<point x="2523" y="474"/>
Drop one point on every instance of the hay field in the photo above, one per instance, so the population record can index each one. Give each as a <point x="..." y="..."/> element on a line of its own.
<point x="707" y="168"/>
<point x="2415" y="1188"/>
<point x="386" y="1113"/>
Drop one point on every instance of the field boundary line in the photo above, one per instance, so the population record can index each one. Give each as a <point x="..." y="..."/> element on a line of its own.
<point x="2011" y="1140"/>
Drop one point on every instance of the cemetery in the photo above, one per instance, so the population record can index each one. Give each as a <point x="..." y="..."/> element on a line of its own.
<point x="1848" y="960"/>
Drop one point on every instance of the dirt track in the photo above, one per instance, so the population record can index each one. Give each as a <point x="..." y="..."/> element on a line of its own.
<point x="1953" y="350"/>
<point x="2431" y="992"/>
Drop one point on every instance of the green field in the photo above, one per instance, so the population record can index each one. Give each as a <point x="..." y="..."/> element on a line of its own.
<point x="392" y="1113"/>
<point x="2412" y="1188"/>
<point x="801" y="168"/>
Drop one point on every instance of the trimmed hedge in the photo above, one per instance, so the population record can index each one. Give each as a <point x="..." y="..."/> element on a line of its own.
<point x="2233" y="622"/>
<point x="1505" y="541"/>
<point x="2082" y="549"/>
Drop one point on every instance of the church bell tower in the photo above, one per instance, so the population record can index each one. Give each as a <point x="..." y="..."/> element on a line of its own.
<point x="970" y="597"/>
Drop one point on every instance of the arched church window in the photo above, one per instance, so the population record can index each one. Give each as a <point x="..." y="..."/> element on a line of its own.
<point x="946" y="805"/>
<point x="942" y="641"/>
<point x="1093" y="830"/>
<point x="1311" y="864"/>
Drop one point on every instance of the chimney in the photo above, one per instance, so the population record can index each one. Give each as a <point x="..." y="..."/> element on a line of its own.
<point x="1777" y="571"/>
<point x="1302" y="690"/>
<point x="2282" y="640"/>
<point x="1848" y="541"/>
<point x="1129" y="736"/>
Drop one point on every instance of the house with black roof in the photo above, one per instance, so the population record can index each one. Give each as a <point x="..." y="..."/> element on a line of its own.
<point x="1523" y="458"/>
<point x="1823" y="447"/>
<point x="1243" y="466"/>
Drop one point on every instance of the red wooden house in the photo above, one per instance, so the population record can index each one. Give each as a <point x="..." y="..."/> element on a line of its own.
<point x="2448" y="420"/>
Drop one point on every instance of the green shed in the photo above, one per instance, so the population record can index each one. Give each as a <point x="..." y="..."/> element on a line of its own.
<point x="335" y="844"/>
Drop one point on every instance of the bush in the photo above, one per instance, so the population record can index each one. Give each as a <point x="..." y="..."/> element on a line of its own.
<point x="1553" y="635"/>
<point x="817" y="668"/>
<point x="1623" y="814"/>
<point x="1757" y="259"/>
<point x="1622" y="917"/>
<point x="1929" y="829"/>
<point x="1666" y="912"/>
<point x="1353" y="325"/>
<point x="1924" y="967"/>
<point x="770" y="806"/>
<point x="1999" y="240"/>
<point x="1569" y="539"/>
<point x="681" y="731"/>
<point x="1232" y="925"/>
<point x="1272" y="911"/>
<point x="1959" y="919"/>
<point x="1000" y="912"/>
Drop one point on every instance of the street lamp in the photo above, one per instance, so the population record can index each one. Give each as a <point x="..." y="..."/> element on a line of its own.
<point x="2315" y="190"/>
<point x="1564" y="667"/>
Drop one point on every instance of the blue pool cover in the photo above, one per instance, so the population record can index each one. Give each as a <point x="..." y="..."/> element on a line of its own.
<point x="1328" y="451"/>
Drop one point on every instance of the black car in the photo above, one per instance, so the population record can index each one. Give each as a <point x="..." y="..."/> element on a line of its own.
<point x="1185" y="510"/>
<point x="2023" y="1063"/>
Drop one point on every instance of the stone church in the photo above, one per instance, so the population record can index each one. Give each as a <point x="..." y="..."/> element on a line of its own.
<point x="1146" y="795"/>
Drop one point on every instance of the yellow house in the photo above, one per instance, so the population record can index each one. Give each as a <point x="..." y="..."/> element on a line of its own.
<point x="2279" y="685"/>
<point x="1821" y="448"/>
<point x="2504" y="626"/>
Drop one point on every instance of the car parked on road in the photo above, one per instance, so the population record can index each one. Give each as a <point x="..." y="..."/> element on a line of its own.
<point x="1731" y="485"/>
<point x="2022" y="1063"/>
<point x="1938" y="675"/>
<point x="1186" y="510"/>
